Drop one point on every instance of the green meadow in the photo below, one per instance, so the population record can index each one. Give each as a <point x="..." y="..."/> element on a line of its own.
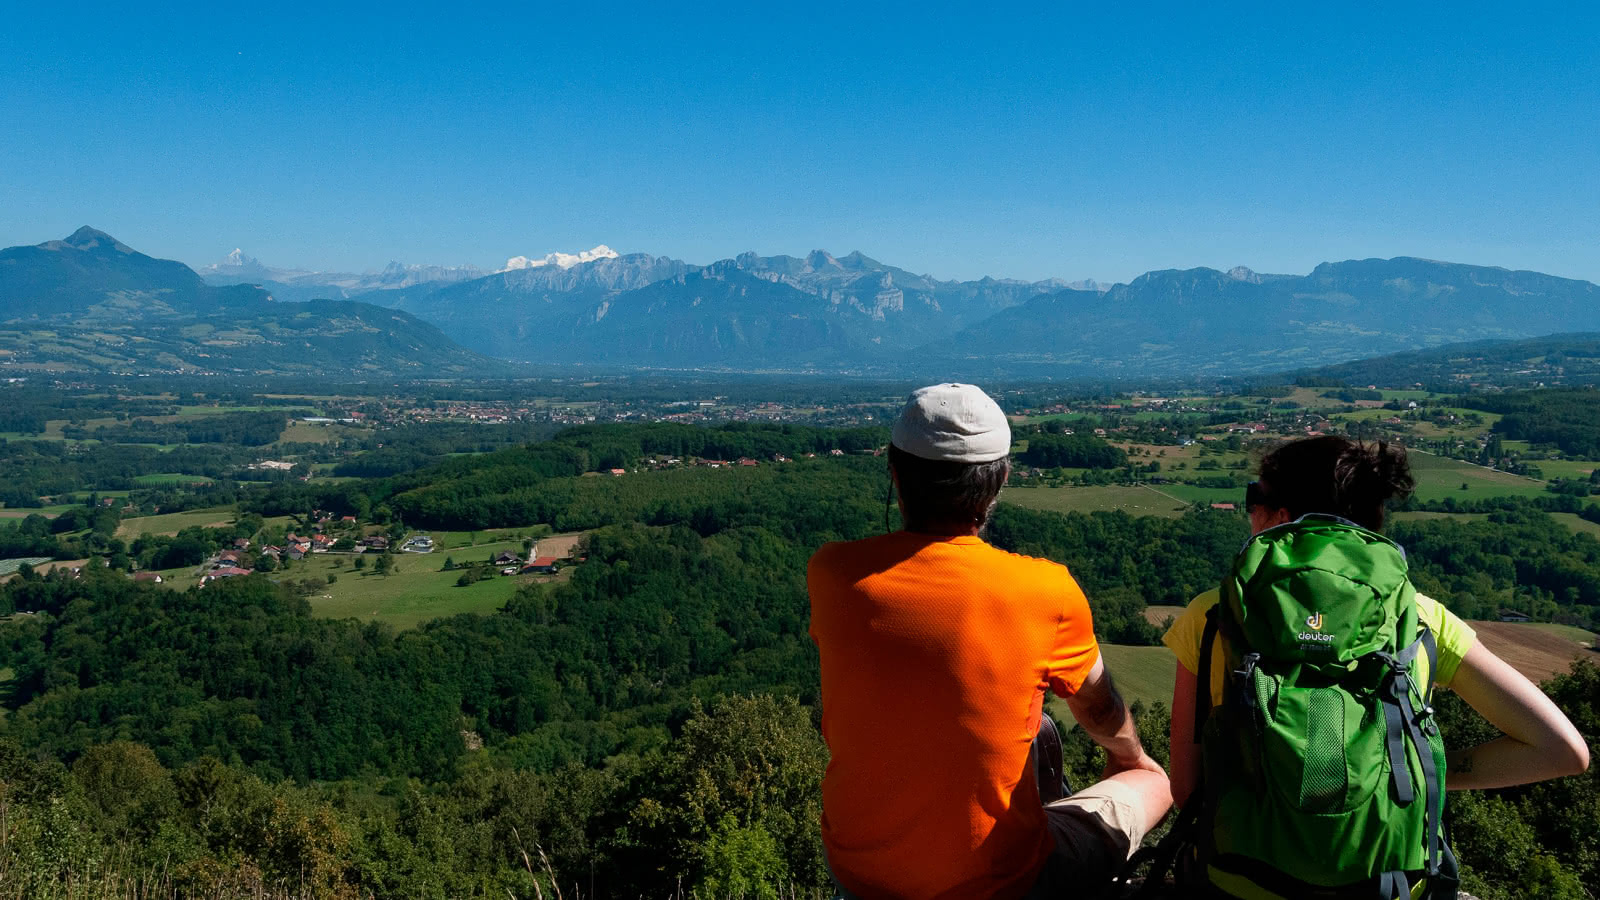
<point x="1137" y="500"/>
<point x="170" y="478"/>
<point x="1142" y="673"/>
<point x="1439" y="478"/>
<point x="172" y="523"/>
<point x="415" y="590"/>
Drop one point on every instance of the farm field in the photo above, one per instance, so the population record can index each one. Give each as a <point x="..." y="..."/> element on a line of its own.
<point x="1189" y="493"/>
<point x="417" y="592"/>
<point x="559" y="545"/>
<point x="1573" y="521"/>
<point x="1191" y="455"/>
<point x="169" y="478"/>
<point x="10" y="566"/>
<point x="49" y="512"/>
<point x="1135" y="500"/>
<point x="1577" y="523"/>
<point x="1158" y="615"/>
<point x="192" y="411"/>
<point x="1439" y="478"/>
<point x="1142" y="673"/>
<point x="1480" y="423"/>
<point x="1571" y="632"/>
<point x="52" y="428"/>
<point x="1409" y="515"/>
<point x="1536" y="651"/>
<point x="43" y="568"/>
<point x="1564" y="468"/>
<point x="451" y="540"/>
<point x="172" y="523"/>
<point x="298" y="432"/>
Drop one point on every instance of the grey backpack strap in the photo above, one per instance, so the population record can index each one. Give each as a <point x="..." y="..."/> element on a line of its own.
<point x="1393" y="886"/>
<point x="1395" y="696"/>
<point x="1398" y="704"/>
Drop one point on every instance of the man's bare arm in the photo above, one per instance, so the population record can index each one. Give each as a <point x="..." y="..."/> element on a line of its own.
<point x="1102" y="713"/>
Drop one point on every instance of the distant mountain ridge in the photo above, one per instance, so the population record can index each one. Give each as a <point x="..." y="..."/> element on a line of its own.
<point x="300" y="284"/>
<point x="816" y="312"/>
<point x="91" y="303"/>
<point x="92" y="274"/>
<point x="1210" y="322"/>
<point x="846" y="314"/>
<point x="854" y="313"/>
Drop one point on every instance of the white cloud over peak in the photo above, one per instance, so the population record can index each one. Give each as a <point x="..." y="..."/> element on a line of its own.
<point x="560" y="260"/>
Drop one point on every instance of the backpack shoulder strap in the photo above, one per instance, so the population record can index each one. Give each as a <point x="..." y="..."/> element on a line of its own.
<point x="1202" y="678"/>
<point x="1406" y="721"/>
<point x="1430" y="647"/>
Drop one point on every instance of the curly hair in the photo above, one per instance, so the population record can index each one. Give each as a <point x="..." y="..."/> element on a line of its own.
<point x="1338" y="476"/>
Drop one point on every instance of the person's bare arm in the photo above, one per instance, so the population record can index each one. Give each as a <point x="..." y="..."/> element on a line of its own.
<point x="1185" y="755"/>
<point x="1102" y="713"/>
<point x="1539" y="741"/>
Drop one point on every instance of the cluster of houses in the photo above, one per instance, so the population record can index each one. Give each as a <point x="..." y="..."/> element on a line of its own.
<point x="296" y="546"/>
<point x="669" y="462"/>
<point x="229" y="563"/>
<point x="512" y="564"/>
<point x="726" y="464"/>
<point x="238" y="559"/>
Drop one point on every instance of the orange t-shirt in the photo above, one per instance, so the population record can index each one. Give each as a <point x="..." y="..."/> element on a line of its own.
<point x="936" y="652"/>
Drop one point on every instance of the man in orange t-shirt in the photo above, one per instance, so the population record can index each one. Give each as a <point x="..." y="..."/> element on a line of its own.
<point x="936" y="652"/>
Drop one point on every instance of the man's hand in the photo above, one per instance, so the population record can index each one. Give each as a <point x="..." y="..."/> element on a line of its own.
<point x="1143" y="761"/>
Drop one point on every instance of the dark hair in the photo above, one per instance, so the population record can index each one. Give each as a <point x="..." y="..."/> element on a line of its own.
<point x="946" y="496"/>
<point x="1338" y="476"/>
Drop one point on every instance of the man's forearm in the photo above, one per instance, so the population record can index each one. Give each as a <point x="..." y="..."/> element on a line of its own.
<point x="1105" y="717"/>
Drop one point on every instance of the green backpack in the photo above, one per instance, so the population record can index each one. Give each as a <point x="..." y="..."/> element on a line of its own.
<point x="1323" y="769"/>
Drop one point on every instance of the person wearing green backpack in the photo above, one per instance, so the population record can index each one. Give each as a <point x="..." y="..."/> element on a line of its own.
<point x="1310" y="764"/>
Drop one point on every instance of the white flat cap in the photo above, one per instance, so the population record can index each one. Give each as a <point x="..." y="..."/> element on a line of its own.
<point x="952" y="423"/>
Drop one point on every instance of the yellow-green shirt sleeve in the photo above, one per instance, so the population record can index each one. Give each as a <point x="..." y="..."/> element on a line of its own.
<point x="1453" y="637"/>
<point x="1183" y="638"/>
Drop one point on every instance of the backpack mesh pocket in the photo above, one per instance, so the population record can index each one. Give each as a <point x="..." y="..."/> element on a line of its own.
<point x="1325" y="778"/>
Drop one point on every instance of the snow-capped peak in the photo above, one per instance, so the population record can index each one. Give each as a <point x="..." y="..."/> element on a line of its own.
<point x="236" y="263"/>
<point x="560" y="260"/>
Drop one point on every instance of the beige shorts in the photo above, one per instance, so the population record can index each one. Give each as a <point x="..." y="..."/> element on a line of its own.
<point x="1097" y="828"/>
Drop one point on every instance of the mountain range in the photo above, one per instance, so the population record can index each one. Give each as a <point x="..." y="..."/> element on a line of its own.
<point x="1205" y="321"/>
<point x="90" y="303"/>
<point x="852" y="313"/>
<point x="814" y="313"/>
<point x="301" y="284"/>
<point x="817" y="312"/>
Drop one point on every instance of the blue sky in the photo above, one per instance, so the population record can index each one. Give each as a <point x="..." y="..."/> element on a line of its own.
<point x="1072" y="140"/>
